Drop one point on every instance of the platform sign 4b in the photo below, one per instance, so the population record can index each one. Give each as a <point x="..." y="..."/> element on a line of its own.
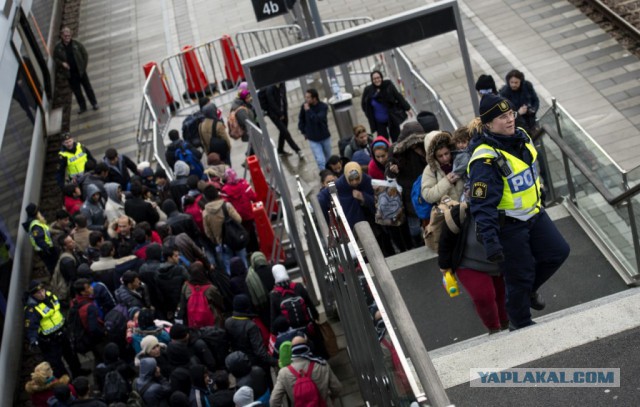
<point x="265" y="9"/>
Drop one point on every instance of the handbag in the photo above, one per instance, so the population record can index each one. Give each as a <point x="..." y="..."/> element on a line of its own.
<point x="329" y="337"/>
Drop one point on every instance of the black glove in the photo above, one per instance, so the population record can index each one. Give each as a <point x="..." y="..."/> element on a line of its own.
<point x="493" y="249"/>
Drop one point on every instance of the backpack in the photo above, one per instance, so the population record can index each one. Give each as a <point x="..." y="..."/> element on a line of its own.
<point x="183" y="153"/>
<point x="293" y="307"/>
<point x="60" y="286"/>
<point x="236" y="131"/>
<point x="234" y="235"/>
<point x="217" y="342"/>
<point x="135" y="397"/>
<point x="422" y="207"/>
<point x="199" y="313"/>
<point x="257" y="292"/>
<point x="440" y="214"/>
<point x="388" y="200"/>
<point x="115" y="388"/>
<point x="190" y="130"/>
<point x="305" y="391"/>
<point x="80" y="340"/>
<point x="115" y="323"/>
<point x="195" y="211"/>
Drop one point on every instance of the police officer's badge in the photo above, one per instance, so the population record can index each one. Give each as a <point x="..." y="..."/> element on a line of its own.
<point x="35" y="232"/>
<point x="479" y="190"/>
<point x="503" y="106"/>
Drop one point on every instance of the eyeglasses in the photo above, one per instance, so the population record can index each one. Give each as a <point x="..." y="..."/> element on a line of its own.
<point x="508" y="115"/>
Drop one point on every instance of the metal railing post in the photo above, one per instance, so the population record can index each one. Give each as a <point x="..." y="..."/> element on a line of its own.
<point x="633" y="225"/>
<point x="565" y="159"/>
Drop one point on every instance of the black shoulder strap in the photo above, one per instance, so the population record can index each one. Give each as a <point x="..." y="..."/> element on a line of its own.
<point x="145" y="387"/>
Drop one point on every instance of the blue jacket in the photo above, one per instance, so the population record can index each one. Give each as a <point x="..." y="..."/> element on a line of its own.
<point x="313" y="122"/>
<point x="353" y="210"/>
<point x="485" y="210"/>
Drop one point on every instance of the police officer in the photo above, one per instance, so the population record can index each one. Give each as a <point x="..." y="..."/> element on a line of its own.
<point x="44" y="323"/>
<point x="40" y="237"/>
<point x="72" y="158"/>
<point x="506" y="204"/>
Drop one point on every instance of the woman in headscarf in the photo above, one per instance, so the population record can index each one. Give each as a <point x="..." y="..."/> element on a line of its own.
<point x="239" y="193"/>
<point x="438" y="178"/>
<point x="384" y="107"/>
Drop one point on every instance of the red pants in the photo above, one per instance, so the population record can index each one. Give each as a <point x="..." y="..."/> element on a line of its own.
<point x="488" y="295"/>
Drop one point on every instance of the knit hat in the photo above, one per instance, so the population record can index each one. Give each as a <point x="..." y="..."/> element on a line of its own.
<point x="148" y="343"/>
<point x="486" y="85"/>
<point x="34" y="286"/>
<point x="242" y="303"/>
<point x="492" y="106"/>
<point x="280" y="274"/>
<point x="230" y="176"/>
<point x="243" y="94"/>
<point x="178" y="331"/>
<point x="352" y="170"/>
<point x="428" y="121"/>
<point x="410" y="128"/>
<point x="32" y="210"/>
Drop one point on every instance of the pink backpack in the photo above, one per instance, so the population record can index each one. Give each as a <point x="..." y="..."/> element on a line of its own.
<point x="199" y="314"/>
<point x="305" y="391"/>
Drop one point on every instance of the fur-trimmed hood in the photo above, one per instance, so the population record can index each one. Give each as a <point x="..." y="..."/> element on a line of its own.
<point x="36" y="386"/>
<point x="433" y="139"/>
<point x="403" y="145"/>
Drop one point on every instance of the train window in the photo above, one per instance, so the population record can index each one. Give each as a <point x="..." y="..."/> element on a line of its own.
<point x="31" y="56"/>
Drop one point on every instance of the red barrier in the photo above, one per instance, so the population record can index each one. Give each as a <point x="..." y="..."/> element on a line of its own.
<point x="173" y="105"/>
<point x="259" y="182"/>
<point x="197" y="83"/>
<point x="232" y="66"/>
<point x="266" y="235"/>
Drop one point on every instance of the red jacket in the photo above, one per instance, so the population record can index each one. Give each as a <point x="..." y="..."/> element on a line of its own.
<point x="376" y="171"/>
<point x="240" y="195"/>
<point x="72" y="205"/>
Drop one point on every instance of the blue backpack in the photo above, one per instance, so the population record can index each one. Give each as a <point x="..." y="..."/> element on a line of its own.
<point x="190" y="130"/>
<point x="422" y="207"/>
<point x="183" y="153"/>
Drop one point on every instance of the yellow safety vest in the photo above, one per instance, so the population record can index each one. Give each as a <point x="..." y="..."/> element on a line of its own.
<point x="47" y="234"/>
<point x="52" y="319"/>
<point x="75" y="160"/>
<point x="521" y="190"/>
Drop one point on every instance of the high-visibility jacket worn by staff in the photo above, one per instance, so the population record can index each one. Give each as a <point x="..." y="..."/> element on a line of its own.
<point x="76" y="160"/>
<point x="38" y="241"/>
<point x="521" y="189"/>
<point x="43" y="317"/>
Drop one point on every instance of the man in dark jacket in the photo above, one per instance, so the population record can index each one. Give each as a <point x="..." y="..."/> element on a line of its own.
<point x="313" y="124"/>
<point x="119" y="167"/>
<point x="90" y="316"/>
<point x="149" y="270"/>
<point x="185" y="347"/>
<point x="98" y="176"/>
<point x="169" y="280"/>
<point x="179" y="187"/>
<point x="82" y="387"/>
<point x="132" y="292"/>
<point x="278" y="112"/>
<point x="72" y="59"/>
<point x="175" y="143"/>
<point x="151" y="385"/>
<point x="138" y="209"/>
<point x="246" y="374"/>
<point x="180" y="222"/>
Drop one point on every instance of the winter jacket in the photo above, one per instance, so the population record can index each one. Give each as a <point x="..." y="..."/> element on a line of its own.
<point x="41" y="392"/>
<point x="261" y="266"/>
<point x="435" y="184"/>
<point x="376" y="170"/>
<point x="241" y="196"/>
<point x="93" y="179"/>
<point x="169" y="281"/>
<point x="277" y="104"/>
<point x="244" y="335"/>
<point x="141" y="211"/>
<point x="396" y="104"/>
<point x="72" y="205"/>
<point x="410" y="165"/>
<point x="213" y="134"/>
<point x="159" y="391"/>
<point x="213" y="219"/>
<point x="79" y="54"/>
<point x="353" y="209"/>
<point x="90" y="317"/>
<point x="119" y="172"/>
<point x="525" y="95"/>
<point x="187" y="247"/>
<point x="353" y="146"/>
<point x="96" y="219"/>
<point x="180" y="222"/>
<point x="130" y="298"/>
<point x="170" y="153"/>
<point x="115" y="207"/>
<point x="313" y="122"/>
<point x="322" y="375"/>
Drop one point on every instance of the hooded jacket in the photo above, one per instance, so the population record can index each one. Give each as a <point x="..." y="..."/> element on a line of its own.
<point x="244" y="397"/>
<point x="115" y="207"/>
<point x="120" y="172"/>
<point x="246" y="374"/>
<point x="41" y="391"/>
<point x="213" y="219"/>
<point x="410" y="164"/>
<point x="94" y="212"/>
<point x="435" y="184"/>
<point x="180" y="222"/>
<point x="169" y="281"/>
<point x="240" y="195"/>
<point x="244" y="335"/>
<point x="217" y="141"/>
<point x="262" y="267"/>
<point x="377" y="170"/>
<point x="160" y="389"/>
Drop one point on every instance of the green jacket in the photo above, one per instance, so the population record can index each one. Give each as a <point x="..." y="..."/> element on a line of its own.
<point x="79" y="53"/>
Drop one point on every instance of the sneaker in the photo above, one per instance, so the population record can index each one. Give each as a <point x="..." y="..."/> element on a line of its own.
<point x="82" y="111"/>
<point x="300" y="154"/>
<point x="96" y="107"/>
<point x="284" y="153"/>
<point x="537" y="302"/>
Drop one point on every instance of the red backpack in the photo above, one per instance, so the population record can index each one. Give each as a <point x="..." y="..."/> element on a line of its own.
<point x="195" y="212"/>
<point x="199" y="313"/>
<point x="293" y="307"/>
<point x="305" y="391"/>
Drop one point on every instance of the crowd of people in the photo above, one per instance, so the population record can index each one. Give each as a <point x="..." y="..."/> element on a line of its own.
<point x="163" y="284"/>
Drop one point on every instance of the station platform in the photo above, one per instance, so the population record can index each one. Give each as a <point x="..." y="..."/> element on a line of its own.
<point x="560" y="50"/>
